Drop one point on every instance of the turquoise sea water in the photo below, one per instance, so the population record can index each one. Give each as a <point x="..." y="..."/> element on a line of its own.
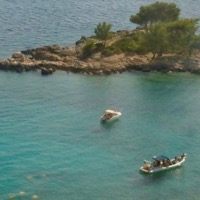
<point x="54" y="146"/>
<point x="52" y="143"/>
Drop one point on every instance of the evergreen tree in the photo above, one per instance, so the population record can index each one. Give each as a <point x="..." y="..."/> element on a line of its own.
<point x="171" y="37"/>
<point x="102" y="32"/>
<point x="182" y="34"/>
<point x="156" y="12"/>
<point x="155" y="40"/>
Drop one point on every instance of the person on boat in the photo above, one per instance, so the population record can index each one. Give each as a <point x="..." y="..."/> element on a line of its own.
<point x="155" y="164"/>
<point x="175" y="160"/>
<point x="166" y="163"/>
<point x="183" y="156"/>
<point x="107" y="116"/>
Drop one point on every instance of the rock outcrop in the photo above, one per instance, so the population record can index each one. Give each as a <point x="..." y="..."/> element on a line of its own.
<point x="48" y="59"/>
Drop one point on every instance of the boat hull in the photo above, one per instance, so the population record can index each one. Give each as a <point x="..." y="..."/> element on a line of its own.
<point x="113" y="118"/>
<point x="152" y="170"/>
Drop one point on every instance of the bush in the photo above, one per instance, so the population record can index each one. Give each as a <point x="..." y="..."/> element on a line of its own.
<point x="99" y="46"/>
<point x="195" y="44"/>
<point x="126" y="45"/>
<point x="88" y="49"/>
<point x="110" y="50"/>
<point x="91" y="47"/>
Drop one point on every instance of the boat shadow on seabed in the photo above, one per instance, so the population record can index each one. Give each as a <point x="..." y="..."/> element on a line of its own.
<point x="109" y="125"/>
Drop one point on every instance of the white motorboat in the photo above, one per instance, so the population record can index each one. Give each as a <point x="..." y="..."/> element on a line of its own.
<point x="162" y="163"/>
<point x="110" y="115"/>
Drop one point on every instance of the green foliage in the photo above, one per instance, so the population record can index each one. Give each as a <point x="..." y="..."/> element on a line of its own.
<point x="165" y="33"/>
<point x="164" y="12"/>
<point x="88" y="49"/>
<point x="143" y="17"/>
<point x="102" y="32"/>
<point x="126" y="45"/>
<point x="110" y="50"/>
<point x="130" y="43"/>
<point x="182" y="34"/>
<point x="107" y="52"/>
<point x="155" y="40"/>
<point x="176" y="36"/>
<point x="99" y="46"/>
<point x="139" y="19"/>
<point x="195" y="45"/>
<point x="156" y="12"/>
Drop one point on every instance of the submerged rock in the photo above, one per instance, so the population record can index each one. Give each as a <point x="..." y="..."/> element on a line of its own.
<point x="47" y="71"/>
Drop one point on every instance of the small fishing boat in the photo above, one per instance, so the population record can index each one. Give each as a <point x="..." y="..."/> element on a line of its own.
<point x="162" y="163"/>
<point x="110" y="115"/>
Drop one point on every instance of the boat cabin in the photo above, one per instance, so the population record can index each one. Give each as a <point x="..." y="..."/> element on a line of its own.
<point x="161" y="161"/>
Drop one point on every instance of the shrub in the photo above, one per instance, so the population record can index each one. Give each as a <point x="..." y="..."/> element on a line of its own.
<point x="126" y="45"/>
<point x="110" y="50"/>
<point x="88" y="49"/>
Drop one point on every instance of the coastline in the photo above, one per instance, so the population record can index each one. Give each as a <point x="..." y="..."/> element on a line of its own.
<point x="48" y="59"/>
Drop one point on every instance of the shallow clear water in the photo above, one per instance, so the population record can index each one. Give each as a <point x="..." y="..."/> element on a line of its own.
<point x="54" y="146"/>
<point x="52" y="142"/>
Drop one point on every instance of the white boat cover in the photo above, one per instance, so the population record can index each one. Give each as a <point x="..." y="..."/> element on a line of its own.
<point x="110" y="111"/>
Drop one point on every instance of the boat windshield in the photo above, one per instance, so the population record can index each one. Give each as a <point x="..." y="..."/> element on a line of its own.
<point x="110" y="111"/>
<point x="160" y="158"/>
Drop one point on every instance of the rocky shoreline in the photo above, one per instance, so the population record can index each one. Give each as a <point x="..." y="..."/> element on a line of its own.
<point x="48" y="59"/>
